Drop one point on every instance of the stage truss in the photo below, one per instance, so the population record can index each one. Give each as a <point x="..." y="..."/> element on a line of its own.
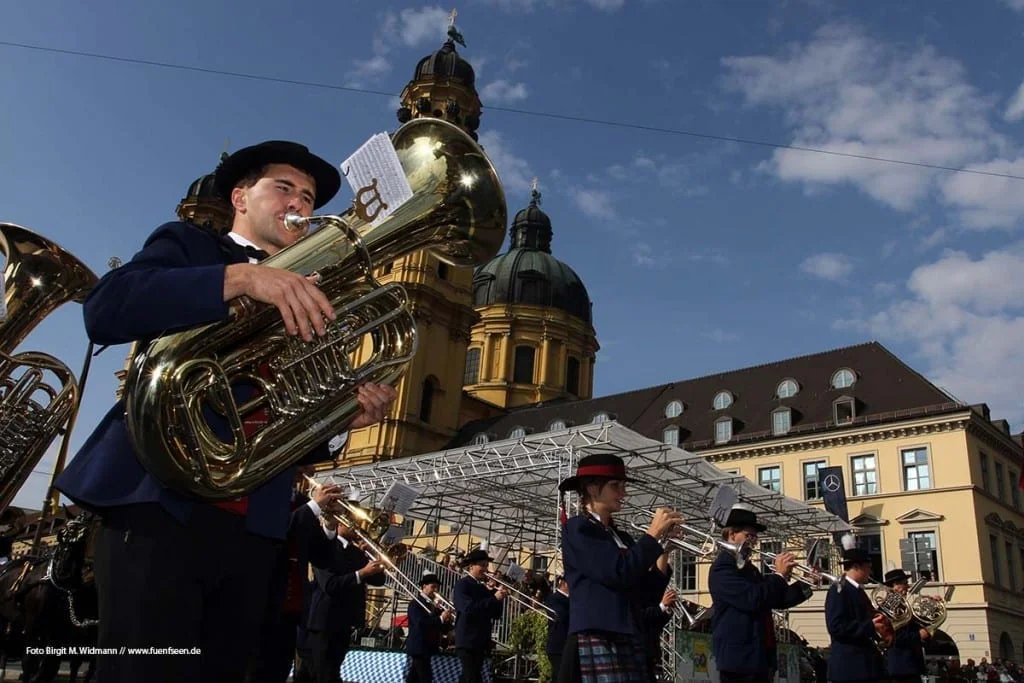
<point x="506" y="491"/>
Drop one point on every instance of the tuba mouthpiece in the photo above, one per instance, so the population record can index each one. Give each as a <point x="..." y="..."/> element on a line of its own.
<point x="295" y="223"/>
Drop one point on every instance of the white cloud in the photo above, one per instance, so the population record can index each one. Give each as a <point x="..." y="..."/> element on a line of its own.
<point x="607" y="5"/>
<point x="966" y="319"/>
<point x="1015" y="4"/>
<point x="720" y="336"/>
<point x="827" y="266"/>
<point x="1015" y="109"/>
<point x="503" y="91"/>
<point x="514" y="171"/>
<point x="593" y="202"/>
<point x="988" y="201"/>
<point x="846" y="92"/>
<point x="408" y="27"/>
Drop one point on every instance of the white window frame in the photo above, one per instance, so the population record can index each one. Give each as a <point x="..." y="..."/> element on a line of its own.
<point x="481" y="439"/>
<point x="674" y="409"/>
<point x="557" y="425"/>
<point x="670" y="436"/>
<point x="723" y="421"/>
<point x="853" y="474"/>
<point x="927" y="464"/>
<point x="786" y="383"/>
<point x="765" y="468"/>
<point x="853" y="410"/>
<point x="517" y="432"/>
<point x="601" y="418"/>
<point x="789" y="421"/>
<point x="727" y="400"/>
<point x="803" y="474"/>
<point x="840" y="371"/>
<point x="934" y="531"/>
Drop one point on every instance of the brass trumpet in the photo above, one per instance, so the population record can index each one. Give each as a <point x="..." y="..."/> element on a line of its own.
<point x="803" y="573"/>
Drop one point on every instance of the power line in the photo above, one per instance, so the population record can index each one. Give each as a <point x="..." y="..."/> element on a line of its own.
<point x="512" y="110"/>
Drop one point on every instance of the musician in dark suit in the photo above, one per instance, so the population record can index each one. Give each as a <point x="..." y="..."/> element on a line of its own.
<point x="558" y="629"/>
<point x="427" y="622"/>
<point x="654" y="618"/>
<point x="218" y="557"/>
<point x="337" y="606"/>
<point x="904" y="658"/>
<point x="475" y="606"/>
<point x="852" y="622"/>
<point x="742" y="627"/>
<point x="288" y="602"/>
<point x="610" y="577"/>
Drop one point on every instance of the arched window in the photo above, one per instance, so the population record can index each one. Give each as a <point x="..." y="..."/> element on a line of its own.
<point x="517" y="433"/>
<point x="557" y="425"/>
<point x="787" y="388"/>
<point x="480" y="439"/>
<point x="522" y="372"/>
<point x="723" y="399"/>
<point x="600" y="417"/>
<point x="472" y="374"/>
<point x="427" y="398"/>
<point x="843" y="378"/>
<point x="674" y="409"/>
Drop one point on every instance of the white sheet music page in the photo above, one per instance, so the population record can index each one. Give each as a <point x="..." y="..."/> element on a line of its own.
<point x="399" y="498"/>
<point x="515" y="572"/>
<point x="377" y="159"/>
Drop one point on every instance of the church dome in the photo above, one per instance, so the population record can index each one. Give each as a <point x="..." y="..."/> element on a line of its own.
<point x="528" y="273"/>
<point x="202" y="188"/>
<point x="445" y="64"/>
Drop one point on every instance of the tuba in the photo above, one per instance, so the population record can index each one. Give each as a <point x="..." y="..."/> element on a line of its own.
<point x="38" y="278"/>
<point x="308" y="389"/>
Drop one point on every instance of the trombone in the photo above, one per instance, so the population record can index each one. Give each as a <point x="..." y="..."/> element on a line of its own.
<point x="389" y="557"/>
<point x="522" y="598"/>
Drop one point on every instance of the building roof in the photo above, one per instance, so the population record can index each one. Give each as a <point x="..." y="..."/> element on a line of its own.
<point x="884" y="388"/>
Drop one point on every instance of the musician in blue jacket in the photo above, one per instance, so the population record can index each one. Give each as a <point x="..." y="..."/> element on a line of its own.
<point x="853" y="623"/>
<point x="475" y="607"/>
<point x="904" y="659"/>
<point x="610" y="577"/>
<point x="742" y="627"/>
<point x="558" y="629"/>
<point x="171" y="570"/>
<point x="426" y="624"/>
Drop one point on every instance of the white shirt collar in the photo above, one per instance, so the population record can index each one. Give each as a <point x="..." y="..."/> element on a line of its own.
<point x="343" y="541"/>
<point x="852" y="582"/>
<point x="238" y="239"/>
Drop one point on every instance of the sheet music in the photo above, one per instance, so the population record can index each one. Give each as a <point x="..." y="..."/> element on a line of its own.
<point x="725" y="499"/>
<point x="399" y="498"/>
<point x="515" y="572"/>
<point x="394" y="535"/>
<point x="377" y="159"/>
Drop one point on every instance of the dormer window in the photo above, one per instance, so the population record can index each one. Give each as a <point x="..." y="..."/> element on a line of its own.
<point x="788" y="388"/>
<point x="671" y="436"/>
<point x="723" y="399"/>
<point x="557" y="426"/>
<point x="517" y="433"/>
<point x="844" y="410"/>
<point x="481" y="439"/>
<point x="674" y="409"/>
<point x="843" y="378"/>
<point x="600" y="418"/>
<point x="782" y="421"/>
<point x="723" y="430"/>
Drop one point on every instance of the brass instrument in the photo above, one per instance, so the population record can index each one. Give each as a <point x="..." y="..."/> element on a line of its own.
<point x="930" y="611"/>
<point x="892" y="605"/>
<point x="457" y="212"/>
<point x="692" y="620"/>
<point x="522" y="598"/>
<point x="39" y="277"/>
<point x="707" y="545"/>
<point x="803" y="573"/>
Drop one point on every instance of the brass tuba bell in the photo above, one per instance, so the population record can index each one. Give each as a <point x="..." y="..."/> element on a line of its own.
<point x="38" y="278"/>
<point x="181" y="381"/>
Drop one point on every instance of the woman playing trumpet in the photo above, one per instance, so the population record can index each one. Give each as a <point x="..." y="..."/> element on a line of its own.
<point x="611" y="577"/>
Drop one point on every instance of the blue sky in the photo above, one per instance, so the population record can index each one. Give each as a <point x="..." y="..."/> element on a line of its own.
<point x="700" y="255"/>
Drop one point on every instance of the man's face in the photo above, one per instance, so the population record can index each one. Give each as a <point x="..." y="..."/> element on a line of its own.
<point x="860" y="572"/>
<point x="283" y="189"/>
<point x="742" y="535"/>
<point x="902" y="587"/>
<point x="429" y="589"/>
<point x="478" y="570"/>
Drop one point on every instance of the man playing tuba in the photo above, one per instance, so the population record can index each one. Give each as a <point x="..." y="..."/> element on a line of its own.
<point x="173" y="571"/>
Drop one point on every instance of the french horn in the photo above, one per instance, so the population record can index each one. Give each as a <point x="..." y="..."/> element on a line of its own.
<point x="180" y="384"/>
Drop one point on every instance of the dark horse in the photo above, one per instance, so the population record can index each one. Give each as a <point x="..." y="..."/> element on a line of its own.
<point x="51" y="601"/>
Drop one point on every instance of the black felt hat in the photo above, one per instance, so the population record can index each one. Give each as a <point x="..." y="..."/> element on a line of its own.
<point x="249" y="159"/>
<point x="895" y="576"/>
<point x="855" y="556"/>
<point x="428" y="579"/>
<point x="476" y="557"/>
<point x="740" y="518"/>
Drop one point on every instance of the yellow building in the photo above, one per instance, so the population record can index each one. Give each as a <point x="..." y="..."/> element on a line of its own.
<point x="919" y="467"/>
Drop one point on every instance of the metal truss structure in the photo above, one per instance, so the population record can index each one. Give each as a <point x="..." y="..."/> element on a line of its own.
<point x="507" y="491"/>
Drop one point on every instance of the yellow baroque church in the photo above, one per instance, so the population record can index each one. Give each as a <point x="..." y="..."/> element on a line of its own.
<point x="508" y="349"/>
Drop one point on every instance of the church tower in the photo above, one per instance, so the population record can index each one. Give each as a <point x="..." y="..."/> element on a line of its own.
<point x="425" y="415"/>
<point x="535" y="339"/>
<point x="202" y="205"/>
